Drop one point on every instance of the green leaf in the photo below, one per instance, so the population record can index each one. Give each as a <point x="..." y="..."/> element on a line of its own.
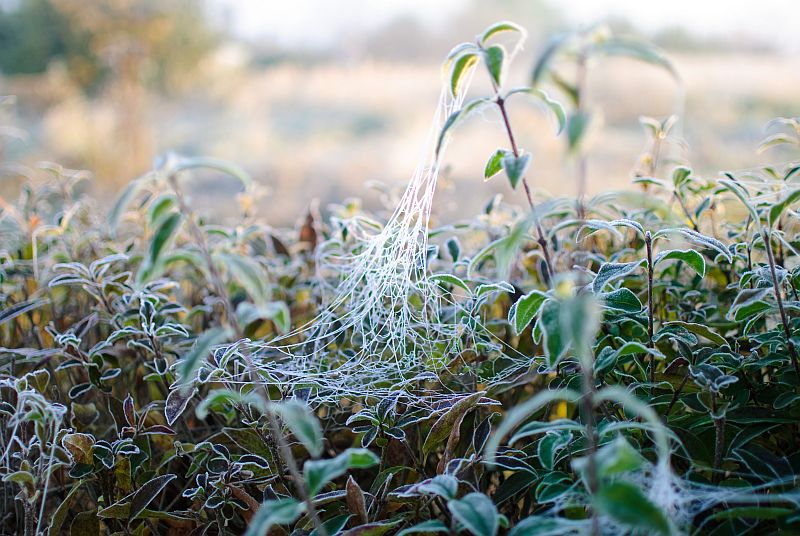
<point x="747" y="297"/>
<point x="450" y="279"/>
<point x="633" y="347"/>
<point x="477" y="513"/>
<point x="540" y="525"/>
<point x="622" y="299"/>
<point x="177" y="400"/>
<point x="248" y="273"/>
<point x="777" y="209"/>
<point x="189" y="363"/>
<point x="176" y="164"/>
<point x="785" y="400"/>
<point x="494" y="165"/>
<point x="617" y="457"/>
<point x="752" y="512"/>
<point x="734" y="187"/>
<point x="550" y="445"/>
<point x="85" y="524"/>
<point x="318" y="473"/>
<point x="504" y="250"/>
<point x="525" y="309"/>
<point x="124" y="199"/>
<point x="699" y="329"/>
<point x="60" y="515"/>
<point x="163" y="235"/>
<point x="333" y="525"/>
<point x="222" y="397"/>
<point x="689" y="256"/>
<point x="302" y="422"/>
<point x="454" y="249"/>
<point x="134" y="505"/>
<point x="488" y="288"/>
<point x="159" y="208"/>
<point x="520" y="413"/>
<point x="698" y="238"/>
<point x="541" y="427"/>
<point x="461" y="67"/>
<point x="605" y="361"/>
<point x="429" y="526"/>
<point x="276" y="311"/>
<point x="610" y="271"/>
<point x="632" y="48"/>
<point x="371" y="529"/>
<point x="271" y="513"/>
<point x="577" y="126"/>
<point x="443" y="426"/>
<point x="24" y="479"/>
<point x="516" y="167"/>
<point x="553" y="105"/>
<point x="776" y="139"/>
<point x="580" y="320"/>
<point x="746" y="312"/>
<point x="442" y="485"/>
<point x="494" y="56"/>
<point x="161" y="239"/>
<point x="499" y="27"/>
<point x="13" y="311"/>
<point x="457" y="117"/>
<point x="556" y="343"/>
<point x="459" y="49"/>
<point x="552" y="49"/>
<point x="147" y="493"/>
<point x="627" y="504"/>
<point x="679" y="175"/>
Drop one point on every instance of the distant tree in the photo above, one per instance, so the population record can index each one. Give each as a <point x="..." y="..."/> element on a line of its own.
<point x="157" y="42"/>
<point x="33" y="33"/>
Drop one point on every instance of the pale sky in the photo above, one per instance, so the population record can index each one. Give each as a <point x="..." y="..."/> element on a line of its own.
<point x="319" y="22"/>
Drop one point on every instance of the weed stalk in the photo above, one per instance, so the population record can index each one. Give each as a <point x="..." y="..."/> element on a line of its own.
<point x="648" y="241"/>
<point x="787" y="331"/>
<point x="541" y="237"/>
<point x="719" y="432"/>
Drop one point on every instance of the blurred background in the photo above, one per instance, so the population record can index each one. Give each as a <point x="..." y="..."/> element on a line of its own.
<point x="319" y="99"/>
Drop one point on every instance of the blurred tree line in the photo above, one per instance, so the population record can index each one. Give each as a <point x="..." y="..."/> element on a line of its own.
<point x="123" y="51"/>
<point x="157" y="42"/>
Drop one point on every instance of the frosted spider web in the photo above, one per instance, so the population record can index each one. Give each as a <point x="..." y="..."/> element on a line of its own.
<point x="384" y="325"/>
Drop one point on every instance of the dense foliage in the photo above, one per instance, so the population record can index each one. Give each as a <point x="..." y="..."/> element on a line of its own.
<point x="616" y="364"/>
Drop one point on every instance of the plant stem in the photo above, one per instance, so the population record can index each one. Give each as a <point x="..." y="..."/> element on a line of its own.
<point x="719" y="441"/>
<point x="588" y="388"/>
<point x="297" y="477"/>
<point x="541" y="240"/>
<point x="685" y="210"/>
<point x="30" y="517"/>
<point x="580" y="90"/>
<point x="284" y="450"/>
<point x="675" y="396"/>
<point x="587" y="411"/>
<point x="648" y="241"/>
<point x="776" y="289"/>
<point x="200" y="240"/>
<point x="275" y="427"/>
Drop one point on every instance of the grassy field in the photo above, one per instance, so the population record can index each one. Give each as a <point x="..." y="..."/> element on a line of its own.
<point x="366" y="121"/>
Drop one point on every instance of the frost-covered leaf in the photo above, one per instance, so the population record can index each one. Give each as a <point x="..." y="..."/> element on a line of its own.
<point x="477" y="513"/>
<point x="610" y="271"/>
<point x="628" y="505"/>
<point x="695" y="261"/>
<point x="302" y="422"/>
<point x="522" y="313"/>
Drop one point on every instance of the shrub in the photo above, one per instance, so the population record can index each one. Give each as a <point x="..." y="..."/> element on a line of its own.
<point x="624" y="363"/>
